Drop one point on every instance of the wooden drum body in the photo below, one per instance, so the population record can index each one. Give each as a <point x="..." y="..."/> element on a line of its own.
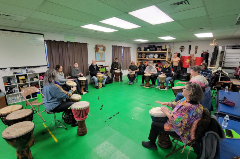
<point x="131" y="76"/>
<point x="7" y="110"/>
<point x="18" y="136"/>
<point x="20" y="116"/>
<point x="162" y="80"/>
<point x="80" y="112"/>
<point x="117" y="74"/>
<point x="177" y="90"/>
<point x="82" y="82"/>
<point x="71" y="84"/>
<point x="100" y="79"/>
<point x="147" y="79"/>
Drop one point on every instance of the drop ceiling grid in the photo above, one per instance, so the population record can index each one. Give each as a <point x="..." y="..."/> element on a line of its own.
<point x="199" y="22"/>
<point x="133" y="19"/>
<point x="65" y="12"/>
<point x="11" y="23"/>
<point x="224" y="21"/>
<point x="29" y="4"/>
<point x="171" y="26"/>
<point x="7" y="8"/>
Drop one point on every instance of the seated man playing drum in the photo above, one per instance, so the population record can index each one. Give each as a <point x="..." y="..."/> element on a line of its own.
<point x="62" y="80"/>
<point x="167" y="71"/>
<point x="76" y="72"/>
<point x="116" y="66"/>
<point x="150" y="69"/>
<point x="179" y="121"/>
<point x="94" y="71"/>
<point x="132" y="69"/>
<point x="54" y="95"/>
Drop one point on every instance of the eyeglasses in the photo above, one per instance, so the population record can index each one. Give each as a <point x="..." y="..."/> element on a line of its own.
<point x="185" y="88"/>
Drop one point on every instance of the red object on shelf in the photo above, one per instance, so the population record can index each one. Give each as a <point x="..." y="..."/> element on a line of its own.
<point x="186" y="62"/>
<point x="198" y="61"/>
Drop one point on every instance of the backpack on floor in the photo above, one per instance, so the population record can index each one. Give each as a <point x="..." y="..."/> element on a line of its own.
<point x="109" y="80"/>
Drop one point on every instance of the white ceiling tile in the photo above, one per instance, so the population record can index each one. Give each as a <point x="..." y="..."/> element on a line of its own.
<point x="187" y="14"/>
<point x="7" y="22"/>
<point x="199" y="22"/>
<point x="8" y="8"/>
<point x="152" y="29"/>
<point x="30" y="4"/>
<point x="171" y="26"/>
<point x="41" y="27"/>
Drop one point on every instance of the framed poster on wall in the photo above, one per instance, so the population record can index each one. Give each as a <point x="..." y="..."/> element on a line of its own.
<point x="100" y="53"/>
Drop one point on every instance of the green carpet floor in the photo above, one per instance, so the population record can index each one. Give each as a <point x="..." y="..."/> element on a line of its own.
<point x="117" y="138"/>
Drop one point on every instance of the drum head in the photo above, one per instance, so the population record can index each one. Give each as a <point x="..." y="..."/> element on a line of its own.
<point x="81" y="78"/>
<point x="19" y="114"/>
<point x="9" y="109"/>
<point x="75" y="96"/>
<point x="71" y="83"/>
<point x="80" y="105"/>
<point x="100" y="75"/>
<point x="161" y="75"/>
<point x="18" y="129"/>
<point x="117" y="71"/>
<point x="147" y="74"/>
<point x="177" y="87"/>
<point x="156" y="112"/>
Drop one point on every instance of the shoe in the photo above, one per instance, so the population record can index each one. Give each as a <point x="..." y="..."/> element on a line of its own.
<point x="142" y="84"/>
<point x="86" y="91"/>
<point x="166" y="88"/>
<point x="158" y="87"/>
<point x="74" y="124"/>
<point x="164" y="141"/>
<point x="97" y="87"/>
<point x="149" y="145"/>
<point x="152" y="86"/>
<point x="129" y="82"/>
<point x="103" y="85"/>
<point x="121" y="80"/>
<point x="81" y="93"/>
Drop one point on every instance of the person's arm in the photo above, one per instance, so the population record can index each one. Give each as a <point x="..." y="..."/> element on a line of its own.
<point x="59" y="93"/>
<point x="154" y="70"/>
<point x="129" y="69"/>
<point x="119" y="66"/>
<point x="146" y="70"/>
<point x="60" y="78"/>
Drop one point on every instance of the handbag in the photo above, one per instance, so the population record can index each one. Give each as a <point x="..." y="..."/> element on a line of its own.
<point x="227" y="102"/>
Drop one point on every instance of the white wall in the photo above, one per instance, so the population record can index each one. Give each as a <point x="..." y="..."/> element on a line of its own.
<point x="91" y="52"/>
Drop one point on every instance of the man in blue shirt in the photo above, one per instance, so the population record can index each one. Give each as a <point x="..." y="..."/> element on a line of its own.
<point x="207" y="73"/>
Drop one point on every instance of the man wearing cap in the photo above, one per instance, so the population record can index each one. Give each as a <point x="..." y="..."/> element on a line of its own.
<point x="207" y="73"/>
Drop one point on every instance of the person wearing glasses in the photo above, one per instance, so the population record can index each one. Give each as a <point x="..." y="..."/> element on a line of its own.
<point x="180" y="120"/>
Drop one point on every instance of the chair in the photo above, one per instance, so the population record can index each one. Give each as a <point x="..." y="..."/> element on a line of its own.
<point x="28" y="91"/>
<point x="197" y="129"/>
<point x="57" y="122"/>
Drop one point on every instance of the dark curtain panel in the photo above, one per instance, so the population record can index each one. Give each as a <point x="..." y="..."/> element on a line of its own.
<point x="117" y="53"/>
<point x="126" y="58"/>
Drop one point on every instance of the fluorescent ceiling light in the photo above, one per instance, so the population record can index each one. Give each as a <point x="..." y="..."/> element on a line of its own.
<point x="203" y="35"/>
<point x="167" y="38"/>
<point x="141" y="40"/>
<point x="120" y="23"/>
<point x="98" y="28"/>
<point x="152" y="15"/>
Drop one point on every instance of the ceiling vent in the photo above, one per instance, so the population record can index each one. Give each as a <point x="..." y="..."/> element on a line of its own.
<point x="12" y="17"/>
<point x="238" y="20"/>
<point x="185" y="2"/>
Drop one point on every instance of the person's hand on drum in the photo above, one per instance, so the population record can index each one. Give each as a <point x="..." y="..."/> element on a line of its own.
<point x="162" y="103"/>
<point x="73" y="88"/>
<point x="70" y="79"/>
<point x="118" y="69"/>
<point x="165" y="110"/>
<point x="98" y="73"/>
<point x="68" y="76"/>
<point x="115" y="68"/>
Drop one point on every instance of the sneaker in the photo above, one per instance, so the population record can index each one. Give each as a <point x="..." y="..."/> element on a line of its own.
<point x="158" y="87"/>
<point x="142" y="84"/>
<point x="81" y="93"/>
<point x="97" y="87"/>
<point x="166" y="88"/>
<point x="86" y="91"/>
<point x="152" y="86"/>
<point x="121" y="81"/>
<point x="129" y="82"/>
<point x="149" y="145"/>
<point x="103" y="85"/>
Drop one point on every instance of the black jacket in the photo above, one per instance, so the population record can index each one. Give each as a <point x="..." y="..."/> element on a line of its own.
<point x="115" y="65"/>
<point x="93" y="71"/>
<point x="167" y="71"/>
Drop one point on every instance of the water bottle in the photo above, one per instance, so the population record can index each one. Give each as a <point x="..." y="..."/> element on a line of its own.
<point x="225" y="122"/>
<point x="226" y="89"/>
<point x="39" y="96"/>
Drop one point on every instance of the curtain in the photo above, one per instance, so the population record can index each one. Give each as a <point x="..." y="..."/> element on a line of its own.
<point x="66" y="53"/>
<point x="117" y="53"/>
<point x="126" y="58"/>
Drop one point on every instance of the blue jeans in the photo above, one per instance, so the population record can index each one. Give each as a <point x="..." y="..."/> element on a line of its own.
<point x="96" y="80"/>
<point x="133" y="77"/>
<point x="179" y="97"/>
<point x="167" y="81"/>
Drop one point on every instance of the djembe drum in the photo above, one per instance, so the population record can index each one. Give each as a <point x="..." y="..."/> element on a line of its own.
<point x="100" y="78"/>
<point x="177" y="90"/>
<point x="80" y="112"/>
<point x="162" y="80"/>
<point x="158" y="115"/>
<point x="131" y="75"/>
<point x="82" y="81"/>
<point x="117" y="74"/>
<point x="147" y="79"/>
<point x="7" y="110"/>
<point x="18" y="136"/>
<point x="75" y="98"/>
<point x="71" y="84"/>
<point x="20" y="116"/>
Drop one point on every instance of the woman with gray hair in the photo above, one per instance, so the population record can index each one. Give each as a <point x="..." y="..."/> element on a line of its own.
<point x="196" y="77"/>
<point x="180" y="120"/>
<point x="150" y="69"/>
<point x="54" y="95"/>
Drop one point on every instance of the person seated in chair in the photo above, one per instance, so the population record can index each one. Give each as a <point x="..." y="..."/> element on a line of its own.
<point x="54" y="96"/>
<point x="76" y="72"/>
<point x="179" y="121"/>
<point x="62" y="80"/>
<point x="167" y="71"/>
<point x="207" y="73"/>
<point x="196" y="77"/>
<point x="116" y="66"/>
<point x="132" y="68"/>
<point x="94" y="71"/>
<point x="150" y="69"/>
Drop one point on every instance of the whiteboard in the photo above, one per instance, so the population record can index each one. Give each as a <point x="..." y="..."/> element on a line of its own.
<point x="18" y="49"/>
